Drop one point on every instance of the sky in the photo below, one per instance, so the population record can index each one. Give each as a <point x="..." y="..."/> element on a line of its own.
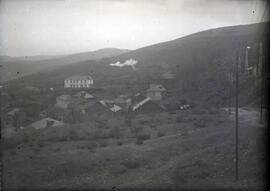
<point x="52" y="27"/>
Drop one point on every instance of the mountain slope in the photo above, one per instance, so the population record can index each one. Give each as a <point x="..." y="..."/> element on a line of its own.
<point x="201" y="62"/>
<point x="21" y="66"/>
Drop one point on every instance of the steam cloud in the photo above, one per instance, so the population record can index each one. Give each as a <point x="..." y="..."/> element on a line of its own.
<point x="130" y="62"/>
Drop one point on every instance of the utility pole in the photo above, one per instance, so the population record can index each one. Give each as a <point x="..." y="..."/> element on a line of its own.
<point x="230" y="91"/>
<point x="262" y="79"/>
<point x="236" y="114"/>
<point x="246" y="59"/>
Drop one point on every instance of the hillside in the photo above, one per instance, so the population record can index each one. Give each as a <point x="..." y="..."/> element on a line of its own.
<point x="201" y="62"/>
<point x="17" y="67"/>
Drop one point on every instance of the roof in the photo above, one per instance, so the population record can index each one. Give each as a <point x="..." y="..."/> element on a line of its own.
<point x="13" y="111"/>
<point x="43" y="123"/>
<point x="115" y="108"/>
<point x="139" y="104"/>
<point x="84" y="94"/>
<point x="122" y="99"/>
<point x="137" y="97"/>
<point x="79" y="78"/>
<point x="64" y="97"/>
<point x="168" y="75"/>
<point x="156" y="87"/>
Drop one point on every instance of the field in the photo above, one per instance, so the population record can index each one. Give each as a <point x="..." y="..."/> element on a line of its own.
<point x="170" y="150"/>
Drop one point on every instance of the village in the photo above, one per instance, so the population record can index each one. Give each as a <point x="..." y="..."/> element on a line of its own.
<point x="78" y="105"/>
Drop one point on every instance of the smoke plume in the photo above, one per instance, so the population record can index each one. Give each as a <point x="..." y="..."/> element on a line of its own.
<point x="130" y="62"/>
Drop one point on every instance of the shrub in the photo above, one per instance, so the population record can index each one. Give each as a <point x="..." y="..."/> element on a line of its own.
<point x="119" y="143"/>
<point x="143" y="137"/>
<point x="179" y="119"/>
<point x="118" y="169"/>
<point x="131" y="163"/>
<point x="199" y="124"/>
<point x="57" y="149"/>
<point x="161" y="133"/>
<point x="139" y="142"/>
<point x="103" y="144"/>
<point x="13" y="152"/>
<point x="73" y="135"/>
<point x="115" y="132"/>
<point x="9" y="143"/>
<point x="136" y="130"/>
<point x="142" y="122"/>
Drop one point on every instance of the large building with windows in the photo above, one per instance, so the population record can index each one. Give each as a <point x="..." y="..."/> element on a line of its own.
<point x="79" y="82"/>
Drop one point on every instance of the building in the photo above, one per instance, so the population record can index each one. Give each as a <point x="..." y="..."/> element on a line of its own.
<point x="46" y="122"/>
<point x="155" y="92"/>
<point x="146" y="106"/>
<point x="79" y="82"/>
<point x="123" y="101"/>
<point x="84" y="94"/>
<point x="169" y="80"/>
<point x="63" y="101"/>
<point x="97" y="109"/>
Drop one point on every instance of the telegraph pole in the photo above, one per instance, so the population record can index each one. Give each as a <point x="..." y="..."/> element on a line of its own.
<point x="262" y="79"/>
<point x="236" y="114"/>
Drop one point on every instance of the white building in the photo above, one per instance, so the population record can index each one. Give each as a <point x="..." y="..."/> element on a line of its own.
<point x="79" y="82"/>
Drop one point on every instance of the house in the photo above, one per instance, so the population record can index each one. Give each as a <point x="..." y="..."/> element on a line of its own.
<point x="155" y="92"/>
<point x="46" y="122"/>
<point x="13" y="111"/>
<point x="110" y="104"/>
<point x="147" y="105"/>
<point x="79" y="82"/>
<point x="169" y="80"/>
<point x="168" y="76"/>
<point x="123" y="101"/>
<point x="11" y="116"/>
<point x="84" y="94"/>
<point x="97" y="109"/>
<point x="63" y="101"/>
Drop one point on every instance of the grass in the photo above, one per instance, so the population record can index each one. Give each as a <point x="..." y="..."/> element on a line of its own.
<point x="198" y="170"/>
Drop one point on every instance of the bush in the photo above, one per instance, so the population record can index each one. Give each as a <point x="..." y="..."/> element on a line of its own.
<point x="136" y="130"/>
<point x="57" y="149"/>
<point x="118" y="169"/>
<point x="119" y="143"/>
<point x="131" y="163"/>
<point x="143" y="137"/>
<point x="199" y="124"/>
<point x="142" y="122"/>
<point x="161" y="133"/>
<point x="73" y="135"/>
<point x="179" y="119"/>
<point x="10" y="143"/>
<point x="103" y="144"/>
<point x="115" y="132"/>
<point x="139" y="142"/>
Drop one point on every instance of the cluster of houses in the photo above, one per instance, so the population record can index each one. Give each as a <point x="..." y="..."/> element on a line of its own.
<point x="89" y="106"/>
